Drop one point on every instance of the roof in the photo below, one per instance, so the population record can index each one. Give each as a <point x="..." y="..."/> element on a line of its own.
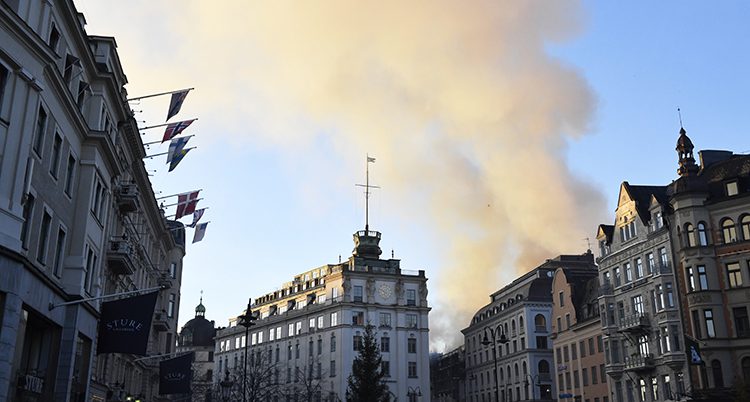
<point x="717" y="167"/>
<point x="642" y="197"/>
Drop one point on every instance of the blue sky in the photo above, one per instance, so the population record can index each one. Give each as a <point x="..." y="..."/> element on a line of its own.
<point x="279" y="153"/>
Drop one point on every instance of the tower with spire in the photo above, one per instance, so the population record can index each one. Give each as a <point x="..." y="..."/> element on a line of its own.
<point x="686" y="161"/>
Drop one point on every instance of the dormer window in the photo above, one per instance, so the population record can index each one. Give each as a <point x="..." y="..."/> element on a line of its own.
<point x="54" y="38"/>
<point x="628" y="231"/>
<point x="732" y="188"/>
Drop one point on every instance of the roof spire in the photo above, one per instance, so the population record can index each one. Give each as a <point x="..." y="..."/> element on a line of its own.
<point x="367" y="187"/>
<point x="679" y="115"/>
<point x="200" y="309"/>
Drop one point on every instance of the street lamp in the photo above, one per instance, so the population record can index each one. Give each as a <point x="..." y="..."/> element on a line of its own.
<point x="502" y="339"/>
<point x="247" y="320"/>
<point x="526" y="383"/>
<point x="226" y="387"/>
<point x="413" y="393"/>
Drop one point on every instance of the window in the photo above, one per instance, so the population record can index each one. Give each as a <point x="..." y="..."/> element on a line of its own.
<point x="702" y="234"/>
<point x="728" y="231"/>
<point x="732" y="188"/>
<point x="412" y="370"/>
<point x="717" y="374"/>
<point x="411" y="345"/>
<point x="618" y="277"/>
<point x="385" y="344"/>
<point x="540" y="323"/>
<point x="55" y="162"/>
<point x="638" y="304"/>
<point x="708" y="314"/>
<point x="567" y="320"/>
<point x="28" y="209"/>
<point x="702" y="277"/>
<point x="594" y="379"/>
<point x="675" y="337"/>
<point x="171" y="305"/>
<point x="670" y="294"/>
<point x="311" y="324"/>
<point x="41" y="254"/>
<point x="385" y="368"/>
<point x="69" y="172"/>
<point x="573" y="351"/>
<point x="741" y="323"/>
<point x="562" y="299"/>
<point x="591" y="346"/>
<point x="320" y="321"/>
<point x="734" y="274"/>
<point x="651" y="262"/>
<point x="358" y="318"/>
<point x="310" y="348"/>
<point x="664" y="340"/>
<point x="59" y="252"/>
<point x="357" y="342"/>
<point x="385" y="319"/>
<point x="332" y="369"/>
<point x="745" y="227"/>
<point x="566" y="353"/>
<point x="411" y="297"/>
<point x="333" y="343"/>
<point x="298" y="328"/>
<point x="334" y="293"/>
<point x="334" y="319"/>
<point x="658" y="298"/>
<point x="638" y="268"/>
<point x="696" y="324"/>
<point x="559" y="324"/>
<point x="690" y="235"/>
<point x="41" y="127"/>
<point x="54" y="38"/>
<point x="663" y="257"/>
<point x="411" y="321"/>
<point x="690" y="279"/>
<point x="358" y="293"/>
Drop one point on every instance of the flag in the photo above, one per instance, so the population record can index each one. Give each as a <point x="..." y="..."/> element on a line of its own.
<point x="178" y="158"/>
<point x="175" y="375"/>
<point x="125" y="324"/>
<point x="186" y="203"/>
<point x="174" y="129"/>
<point x="369" y="159"/>
<point x="693" y="351"/>
<point x="176" y="103"/>
<point x="200" y="231"/>
<point x="176" y="147"/>
<point x="197" y="215"/>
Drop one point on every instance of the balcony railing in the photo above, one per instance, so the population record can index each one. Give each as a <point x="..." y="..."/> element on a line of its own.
<point x="634" y="322"/>
<point x="120" y="257"/>
<point x="640" y="362"/>
<point x="661" y="268"/>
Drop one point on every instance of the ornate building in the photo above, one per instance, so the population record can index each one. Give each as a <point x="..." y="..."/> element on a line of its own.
<point x="308" y="331"/>
<point x="197" y="337"/>
<point x="78" y="217"/>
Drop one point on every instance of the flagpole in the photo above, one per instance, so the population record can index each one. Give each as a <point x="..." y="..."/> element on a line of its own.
<point x="166" y="124"/>
<point x="164" y="153"/>
<point x="160" y="94"/>
<point x="159" y="142"/>
<point x="175" y="195"/>
<point x="169" y="216"/>
<point x="52" y="306"/>
<point x="180" y="203"/>
<point x="164" y="355"/>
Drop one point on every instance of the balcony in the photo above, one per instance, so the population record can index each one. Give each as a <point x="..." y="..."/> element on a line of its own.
<point x="661" y="268"/>
<point x="120" y="257"/>
<point x="160" y="321"/>
<point x="640" y="362"/>
<point x="637" y="322"/>
<point x="540" y="329"/>
<point x="606" y="290"/>
<point x="126" y="196"/>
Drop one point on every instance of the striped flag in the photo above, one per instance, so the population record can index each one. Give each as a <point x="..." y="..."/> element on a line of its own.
<point x="197" y="215"/>
<point x="200" y="231"/>
<point x="186" y="203"/>
<point x="175" y="147"/>
<point x="174" y="129"/>
<point x="178" y="158"/>
<point x="175" y="104"/>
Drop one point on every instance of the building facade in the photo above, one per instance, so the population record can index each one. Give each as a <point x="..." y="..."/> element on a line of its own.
<point x="78" y="217"/>
<point x="577" y="335"/>
<point x="710" y="230"/>
<point x="308" y="332"/>
<point x="520" y="352"/>
<point x="448" y="376"/>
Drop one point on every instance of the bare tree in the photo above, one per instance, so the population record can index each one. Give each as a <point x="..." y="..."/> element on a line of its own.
<point x="261" y="382"/>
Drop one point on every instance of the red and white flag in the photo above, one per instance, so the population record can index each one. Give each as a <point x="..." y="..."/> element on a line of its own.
<point x="174" y="129"/>
<point x="186" y="204"/>
<point x="197" y="215"/>
<point x="200" y="231"/>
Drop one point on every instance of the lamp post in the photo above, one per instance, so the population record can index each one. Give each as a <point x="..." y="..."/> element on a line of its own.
<point x="413" y="392"/>
<point x="226" y="387"/>
<point x="247" y="321"/>
<point x="502" y="339"/>
<point x="526" y="382"/>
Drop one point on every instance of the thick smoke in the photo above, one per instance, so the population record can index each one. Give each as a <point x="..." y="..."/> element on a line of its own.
<point x="460" y="97"/>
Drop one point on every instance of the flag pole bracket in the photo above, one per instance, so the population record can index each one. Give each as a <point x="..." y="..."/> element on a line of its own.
<point x="52" y="306"/>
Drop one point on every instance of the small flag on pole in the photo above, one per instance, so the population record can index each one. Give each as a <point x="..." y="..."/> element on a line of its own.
<point x="174" y="129"/>
<point x="177" y="159"/>
<point x="197" y="215"/>
<point x="175" y="375"/>
<point x="125" y="324"/>
<point x="186" y="203"/>
<point x="693" y="351"/>
<point x="200" y="231"/>
<point x="175" y="104"/>
<point x="175" y="147"/>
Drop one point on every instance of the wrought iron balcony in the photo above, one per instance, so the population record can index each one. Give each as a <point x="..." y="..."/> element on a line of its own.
<point x="640" y="362"/>
<point x="635" y="323"/>
<point x="120" y="257"/>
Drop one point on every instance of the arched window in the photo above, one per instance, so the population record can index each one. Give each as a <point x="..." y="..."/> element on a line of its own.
<point x="513" y="327"/>
<point x="728" y="231"/>
<point x="716" y="373"/>
<point x="702" y="234"/>
<point x="525" y="371"/>
<point x="543" y="367"/>
<point x="690" y="235"/>
<point x="540" y="323"/>
<point x="515" y="369"/>
<point x="746" y="369"/>
<point x="745" y="225"/>
<point x="520" y="323"/>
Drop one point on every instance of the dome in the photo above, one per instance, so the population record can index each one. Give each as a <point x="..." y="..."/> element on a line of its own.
<point x="198" y="331"/>
<point x="683" y="142"/>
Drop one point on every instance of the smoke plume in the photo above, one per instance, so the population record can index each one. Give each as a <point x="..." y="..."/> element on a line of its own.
<point x="460" y="97"/>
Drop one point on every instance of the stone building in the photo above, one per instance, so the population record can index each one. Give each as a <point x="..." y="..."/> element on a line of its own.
<point x="448" y="376"/>
<point x="197" y="337"/>
<point x="308" y="332"/>
<point x="577" y="335"/>
<point x="710" y="231"/>
<point x="519" y="316"/>
<point x="78" y="217"/>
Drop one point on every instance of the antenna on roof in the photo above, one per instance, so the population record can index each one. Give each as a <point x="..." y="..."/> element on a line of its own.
<point x="588" y="243"/>
<point x="679" y="115"/>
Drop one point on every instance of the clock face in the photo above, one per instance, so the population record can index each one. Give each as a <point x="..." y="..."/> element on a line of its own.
<point x="386" y="291"/>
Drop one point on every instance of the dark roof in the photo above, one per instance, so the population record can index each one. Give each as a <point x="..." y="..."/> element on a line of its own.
<point x="642" y="197"/>
<point x="717" y="168"/>
<point x="197" y="332"/>
<point x="683" y="142"/>
<point x="608" y="230"/>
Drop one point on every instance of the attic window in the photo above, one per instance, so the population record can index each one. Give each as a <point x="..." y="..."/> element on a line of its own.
<point x="732" y="188"/>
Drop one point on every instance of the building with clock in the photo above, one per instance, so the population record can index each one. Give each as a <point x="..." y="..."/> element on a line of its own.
<point x="308" y="331"/>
